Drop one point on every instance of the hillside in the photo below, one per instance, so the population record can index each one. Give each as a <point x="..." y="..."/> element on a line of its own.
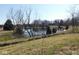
<point x="59" y="44"/>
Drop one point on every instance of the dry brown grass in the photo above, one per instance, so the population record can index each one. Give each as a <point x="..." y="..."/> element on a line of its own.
<point x="59" y="44"/>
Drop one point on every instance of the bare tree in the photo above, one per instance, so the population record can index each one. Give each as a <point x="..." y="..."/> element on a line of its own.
<point x="16" y="16"/>
<point x="56" y="22"/>
<point x="18" y="20"/>
<point x="19" y="17"/>
<point x="11" y="15"/>
<point x="74" y="17"/>
<point x="72" y="12"/>
<point x="28" y="15"/>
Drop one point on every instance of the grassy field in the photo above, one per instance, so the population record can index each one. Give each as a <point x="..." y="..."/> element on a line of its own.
<point x="60" y="44"/>
<point x="5" y="36"/>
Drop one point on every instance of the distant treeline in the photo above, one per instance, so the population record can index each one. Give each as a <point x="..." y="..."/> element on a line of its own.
<point x="1" y="26"/>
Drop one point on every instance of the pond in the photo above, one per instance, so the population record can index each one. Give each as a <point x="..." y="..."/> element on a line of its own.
<point x="30" y="32"/>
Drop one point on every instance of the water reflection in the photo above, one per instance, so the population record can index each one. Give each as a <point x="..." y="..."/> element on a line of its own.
<point x="30" y="32"/>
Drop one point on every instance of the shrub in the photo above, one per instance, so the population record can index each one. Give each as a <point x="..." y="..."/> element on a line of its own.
<point x="67" y="27"/>
<point x="18" y="30"/>
<point x="8" y="25"/>
<point x="48" y="30"/>
<point x="54" y="30"/>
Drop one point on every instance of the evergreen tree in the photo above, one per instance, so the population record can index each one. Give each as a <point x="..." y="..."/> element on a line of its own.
<point x="8" y="25"/>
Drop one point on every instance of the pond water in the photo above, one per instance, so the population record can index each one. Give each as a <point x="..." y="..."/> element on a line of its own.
<point x="30" y="32"/>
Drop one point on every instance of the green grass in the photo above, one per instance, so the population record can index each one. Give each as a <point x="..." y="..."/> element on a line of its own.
<point x="59" y="44"/>
<point x="5" y="36"/>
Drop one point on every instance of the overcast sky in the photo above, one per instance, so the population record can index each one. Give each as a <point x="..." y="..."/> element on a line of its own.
<point x="41" y="11"/>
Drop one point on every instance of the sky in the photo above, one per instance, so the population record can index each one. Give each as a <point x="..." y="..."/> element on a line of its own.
<point x="39" y="11"/>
